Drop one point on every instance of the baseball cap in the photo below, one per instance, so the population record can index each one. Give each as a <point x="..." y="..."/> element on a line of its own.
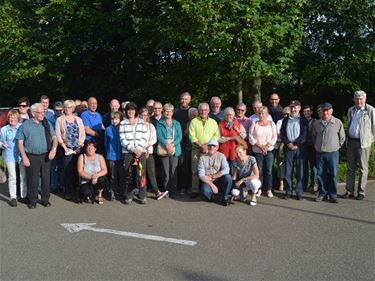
<point x="213" y="142"/>
<point x="326" y="106"/>
<point x="295" y="103"/>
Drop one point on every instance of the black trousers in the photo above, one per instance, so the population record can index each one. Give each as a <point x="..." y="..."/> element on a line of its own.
<point x="91" y="190"/>
<point x="39" y="164"/>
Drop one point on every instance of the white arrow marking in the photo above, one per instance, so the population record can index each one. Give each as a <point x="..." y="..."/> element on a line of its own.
<point x="75" y="227"/>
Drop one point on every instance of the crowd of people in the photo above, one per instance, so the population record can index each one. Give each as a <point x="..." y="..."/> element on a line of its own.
<point x="129" y="152"/>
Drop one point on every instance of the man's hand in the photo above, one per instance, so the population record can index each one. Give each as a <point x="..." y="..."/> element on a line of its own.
<point x="26" y="161"/>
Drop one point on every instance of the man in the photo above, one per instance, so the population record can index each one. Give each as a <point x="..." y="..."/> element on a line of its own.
<point x="48" y="113"/>
<point x="241" y="116"/>
<point x="257" y="104"/>
<point x="150" y="106"/>
<point x="294" y="136"/>
<point x="157" y="114"/>
<point x="202" y="129"/>
<point x="328" y="136"/>
<point x="93" y="123"/>
<point x="361" y="135"/>
<point x="181" y="114"/>
<point x="213" y="172"/>
<point x="37" y="144"/>
<point x="274" y="108"/>
<point x="114" y="106"/>
<point x="216" y="113"/>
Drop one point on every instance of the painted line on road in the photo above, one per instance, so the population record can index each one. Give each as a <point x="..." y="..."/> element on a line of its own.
<point x="76" y="227"/>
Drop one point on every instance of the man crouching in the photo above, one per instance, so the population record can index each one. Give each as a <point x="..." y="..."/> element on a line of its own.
<point x="213" y="172"/>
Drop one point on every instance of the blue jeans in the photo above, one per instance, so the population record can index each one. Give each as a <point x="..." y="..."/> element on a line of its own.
<point x="224" y="184"/>
<point x="328" y="163"/>
<point x="294" y="158"/>
<point x="265" y="168"/>
<point x="57" y="170"/>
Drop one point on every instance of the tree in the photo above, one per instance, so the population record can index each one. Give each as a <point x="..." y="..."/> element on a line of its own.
<point x="254" y="39"/>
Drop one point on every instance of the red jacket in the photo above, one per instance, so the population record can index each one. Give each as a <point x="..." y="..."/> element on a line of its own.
<point x="228" y="148"/>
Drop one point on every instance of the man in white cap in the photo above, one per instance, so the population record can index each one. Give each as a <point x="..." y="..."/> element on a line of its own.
<point x="361" y="135"/>
<point x="213" y="172"/>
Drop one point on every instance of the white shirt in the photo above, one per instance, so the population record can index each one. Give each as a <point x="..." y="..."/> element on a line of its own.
<point x="354" y="124"/>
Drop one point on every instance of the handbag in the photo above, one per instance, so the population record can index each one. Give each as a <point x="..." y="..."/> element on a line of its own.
<point x="163" y="151"/>
<point x="3" y="176"/>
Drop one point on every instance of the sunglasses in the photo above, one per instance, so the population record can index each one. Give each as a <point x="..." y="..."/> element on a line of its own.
<point x="23" y="105"/>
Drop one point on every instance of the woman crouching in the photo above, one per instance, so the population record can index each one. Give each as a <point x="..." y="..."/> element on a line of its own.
<point x="245" y="175"/>
<point x="92" y="170"/>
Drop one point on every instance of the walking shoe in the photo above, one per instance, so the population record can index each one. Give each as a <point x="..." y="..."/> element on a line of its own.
<point x="319" y="199"/>
<point x="13" y="202"/>
<point x="46" y="204"/>
<point x="31" y="206"/>
<point x="259" y="192"/>
<point x="22" y="200"/>
<point x="136" y="191"/>
<point x="287" y="196"/>
<point x="225" y="203"/>
<point x="347" y="195"/>
<point x="182" y="191"/>
<point x="333" y="200"/>
<point x="252" y="203"/>
<point x="269" y="194"/>
<point x="128" y="201"/>
<point x="299" y="197"/>
<point x="140" y="200"/>
<point x="161" y="195"/>
<point x="360" y="197"/>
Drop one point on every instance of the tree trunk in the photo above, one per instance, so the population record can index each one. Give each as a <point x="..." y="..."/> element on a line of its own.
<point x="256" y="88"/>
<point x="239" y="90"/>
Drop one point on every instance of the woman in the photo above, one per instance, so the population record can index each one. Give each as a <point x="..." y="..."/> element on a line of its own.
<point x="70" y="134"/>
<point x="263" y="137"/>
<point x="169" y="148"/>
<point x="150" y="161"/>
<point x="12" y="157"/>
<point x="245" y="175"/>
<point x="133" y="139"/>
<point x="92" y="170"/>
<point x="231" y="133"/>
<point x="279" y="149"/>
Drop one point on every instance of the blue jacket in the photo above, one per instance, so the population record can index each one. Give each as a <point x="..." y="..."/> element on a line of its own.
<point x="112" y="143"/>
<point x="161" y="132"/>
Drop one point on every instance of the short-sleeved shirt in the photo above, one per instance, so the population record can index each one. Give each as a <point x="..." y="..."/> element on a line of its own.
<point x="244" y="169"/>
<point x="33" y="135"/>
<point x="93" y="121"/>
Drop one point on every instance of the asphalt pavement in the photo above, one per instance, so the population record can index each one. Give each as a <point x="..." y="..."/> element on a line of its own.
<point x="275" y="240"/>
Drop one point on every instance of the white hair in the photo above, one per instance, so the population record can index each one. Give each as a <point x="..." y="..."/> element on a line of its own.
<point x="360" y="93"/>
<point x="34" y="107"/>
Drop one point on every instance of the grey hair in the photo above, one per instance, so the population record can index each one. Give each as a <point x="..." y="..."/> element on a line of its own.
<point x="191" y="111"/>
<point x="185" y="94"/>
<point x="168" y="106"/>
<point x="35" y="106"/>
<point x="228" y="109"/>
<point x="202" y="104"/>
<point x="360" y="93"/>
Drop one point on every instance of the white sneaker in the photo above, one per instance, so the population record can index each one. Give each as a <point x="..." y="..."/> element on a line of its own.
<point x="161" y="195"/>
<point x="253" y="203"/>
<point x="269" y="194"/>
<point x="259" y="193"/>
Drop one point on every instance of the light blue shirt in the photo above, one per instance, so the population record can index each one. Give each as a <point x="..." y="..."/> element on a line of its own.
<point x="293" y="128"/>
<point x="8" y="136"/>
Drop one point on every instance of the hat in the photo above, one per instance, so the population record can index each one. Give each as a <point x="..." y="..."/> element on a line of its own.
<point x="326" y="106"/>
<point x="213" y="142"/>
<point x="295" y="103"/>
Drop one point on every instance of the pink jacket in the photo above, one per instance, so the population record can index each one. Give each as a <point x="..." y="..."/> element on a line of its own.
<point x="61" y="130"/>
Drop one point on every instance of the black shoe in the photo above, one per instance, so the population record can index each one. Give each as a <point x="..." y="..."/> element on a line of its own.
<point x="333" y="200"/>
<point x="31" y="206"/>
<point x="299" y="197"/>
<point x="360" y="197"/>
<point x="46" y="204"/>
<point x="22" y="200"/>
<point x="225" y="203"/>
<point x="194" y="195"/>
<point x="13" y="203"/>
<point x="287" y="196"/>
<point x="347" y="195"/>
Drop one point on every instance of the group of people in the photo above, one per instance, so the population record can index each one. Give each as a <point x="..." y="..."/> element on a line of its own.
<point x="87" y="157"/>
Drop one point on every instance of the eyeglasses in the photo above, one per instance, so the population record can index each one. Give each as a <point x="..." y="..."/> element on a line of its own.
<point x="39" y="112"/>
<point x="23" y="105"/>
<point x="58" y="110"/>
<point x="241" y="110"/>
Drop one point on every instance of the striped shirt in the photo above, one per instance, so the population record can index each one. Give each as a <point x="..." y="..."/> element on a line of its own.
<point x="133" y="137"/>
